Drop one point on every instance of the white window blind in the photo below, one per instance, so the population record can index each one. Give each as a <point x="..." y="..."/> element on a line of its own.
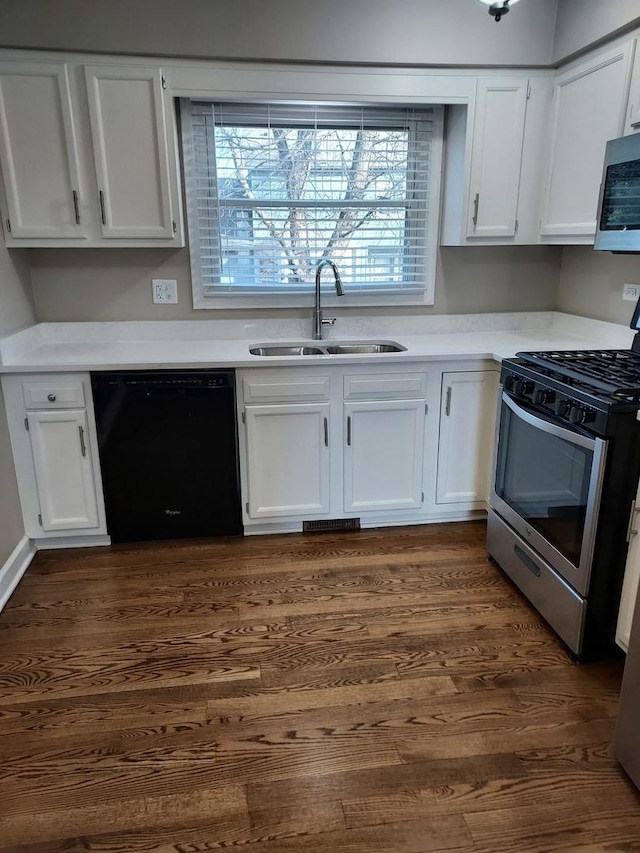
<point x="273" y="189"/>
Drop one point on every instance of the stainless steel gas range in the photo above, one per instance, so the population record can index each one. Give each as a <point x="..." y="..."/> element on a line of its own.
<point x="566" y="473"/>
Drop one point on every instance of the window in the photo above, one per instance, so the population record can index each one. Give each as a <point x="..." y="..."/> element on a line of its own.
<point x="273" y="189"/>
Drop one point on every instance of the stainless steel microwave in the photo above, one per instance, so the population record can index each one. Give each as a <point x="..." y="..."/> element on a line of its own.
<point x="618" y="227"/>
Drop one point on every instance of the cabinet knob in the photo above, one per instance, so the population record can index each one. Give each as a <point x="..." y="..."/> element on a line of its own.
<point x="51" y="398"/>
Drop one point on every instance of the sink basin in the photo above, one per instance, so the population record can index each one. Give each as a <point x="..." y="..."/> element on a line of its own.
<point x="327" y="348"/>
<point x="349" y="349"/>
<point x="286" y="350"/>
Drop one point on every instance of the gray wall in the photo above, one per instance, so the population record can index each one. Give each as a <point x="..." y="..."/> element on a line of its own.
<point x="431" y="32"/>
<point x="582" y="23"/>
<point x="113" y="284"/>
<point x="16" y="312"/>
<point x="591" y="283"/>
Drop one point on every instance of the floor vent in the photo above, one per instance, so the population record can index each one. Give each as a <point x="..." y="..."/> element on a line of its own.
<point x="331" y="525"/>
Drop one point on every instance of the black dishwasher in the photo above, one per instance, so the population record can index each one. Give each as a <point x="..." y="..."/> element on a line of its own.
<point x="169" y="453"/>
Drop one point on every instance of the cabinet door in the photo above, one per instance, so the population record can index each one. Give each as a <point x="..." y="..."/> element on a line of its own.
<point x="287" y="459"/>
<point x="64" y="474"/>
<point x="38" y="152"/>
<point x="128" y="126"/>
<point x="384" y="447"/>
<point x="631" y="581"/>
<point x="589" y="109"/>
<point x="633" y="111"/>
<point x="497" y="157"/>
<point x="467" y="428"/>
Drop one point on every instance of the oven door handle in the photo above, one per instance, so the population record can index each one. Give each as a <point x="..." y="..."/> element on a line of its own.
<point x="548" y="426"/>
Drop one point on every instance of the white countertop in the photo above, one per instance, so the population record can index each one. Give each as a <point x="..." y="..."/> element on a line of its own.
<point x="219" y="343"/>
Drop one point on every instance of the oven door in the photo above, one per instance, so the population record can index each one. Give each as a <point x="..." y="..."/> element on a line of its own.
<point x="547" y="485"/>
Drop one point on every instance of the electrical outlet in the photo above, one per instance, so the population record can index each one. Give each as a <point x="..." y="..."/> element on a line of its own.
<point x="165" y="291"/>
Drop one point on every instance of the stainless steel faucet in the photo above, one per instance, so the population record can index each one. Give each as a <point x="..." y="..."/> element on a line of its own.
<point x="318" y="319"/>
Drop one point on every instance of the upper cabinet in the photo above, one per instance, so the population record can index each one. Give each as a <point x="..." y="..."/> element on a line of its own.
<point x="88" y="156"/>
<point x="128" y="129"/>
<point x="39" y="153"/>
<point x="496" y="160"/>
<point x="589" y="107"/>
<point x="633" y="112"/>
<point x="494" y="163"/>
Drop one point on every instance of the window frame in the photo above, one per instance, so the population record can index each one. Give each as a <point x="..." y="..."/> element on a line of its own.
<point x="363" y="298"/>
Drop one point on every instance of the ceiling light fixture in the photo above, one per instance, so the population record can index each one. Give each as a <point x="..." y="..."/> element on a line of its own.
<point x="498" y="8"/>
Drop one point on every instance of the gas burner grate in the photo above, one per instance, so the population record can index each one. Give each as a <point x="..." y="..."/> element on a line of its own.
<point x="611" y="373"/>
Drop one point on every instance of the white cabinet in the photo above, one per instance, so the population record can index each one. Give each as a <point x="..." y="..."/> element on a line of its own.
<point x="384" y="442"/>
<point x="63" y="469"/>
<point x="631" y="580"/>
<point x="589" y="109"/>
<point x="467" y="428"/>
<point x="331" y="443"/>
<point x="88" y="156"/>
<point x="494" y="163"/>
<point x="38" y="152"/>
<point x="287" y="450"/>
<point x="632" y="124"/>
<point x="128" y="128"/>
<point x="496" y="160"/>
<point x="55" y="450"/>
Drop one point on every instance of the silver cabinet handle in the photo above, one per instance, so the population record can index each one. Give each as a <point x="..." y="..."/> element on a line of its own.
<point x="631" y="530"/>
<point x="102" y="212"/>
<point x="476" y="205"/>
<point x="76" y="207"/>
<point x="326" y="432"/>
<point x="83" y="446"/>
<point x="51" y="398"/>
<point x="447" y="405"/>
<point x="349" y="430"/>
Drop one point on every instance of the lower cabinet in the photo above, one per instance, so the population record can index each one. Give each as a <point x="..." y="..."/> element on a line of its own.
<point x="54" y="444"/>
<point x="287" y="459"/>
<point x="389" y="444"/>
<point x="383" y="456"/>
<point x="467" y="428"/>
<point x="631" y="580"/>
<point x="63" y="469"/>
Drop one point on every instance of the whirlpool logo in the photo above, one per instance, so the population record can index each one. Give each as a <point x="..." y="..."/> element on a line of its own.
<point x="173" y="512"/>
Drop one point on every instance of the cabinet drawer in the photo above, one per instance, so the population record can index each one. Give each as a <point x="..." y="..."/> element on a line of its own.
<point x="385" y="386"/>
<point x="55" y="393"/>
<point x="274" y="388"/>
<point x="560" y="605"/>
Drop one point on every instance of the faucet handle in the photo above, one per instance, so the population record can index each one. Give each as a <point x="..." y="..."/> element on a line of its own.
<point x="328" y="321"/>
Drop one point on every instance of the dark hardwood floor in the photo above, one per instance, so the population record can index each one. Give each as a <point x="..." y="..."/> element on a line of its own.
<point x="377" y="692"/>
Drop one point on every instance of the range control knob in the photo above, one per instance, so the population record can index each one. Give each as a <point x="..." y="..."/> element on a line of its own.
<point x="543" y="395"/>
<point x="562" y="407"/>
<point x="577" y="414"/>
<point x="521" y="387"/>
<point x="509" y="382"/>
<point x="581" y="415"/>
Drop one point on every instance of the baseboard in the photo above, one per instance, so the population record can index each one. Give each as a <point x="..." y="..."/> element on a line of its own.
<point x="51" y="544"/>
<point x="14" y="567"/>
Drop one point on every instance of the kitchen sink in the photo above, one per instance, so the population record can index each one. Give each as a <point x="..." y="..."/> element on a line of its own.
<point x="348" y="349"/>
<point x="328" y="348"/>
<point x="286" y="349"/>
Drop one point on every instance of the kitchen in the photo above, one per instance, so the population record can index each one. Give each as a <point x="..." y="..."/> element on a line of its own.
<point x="522" y="290"/>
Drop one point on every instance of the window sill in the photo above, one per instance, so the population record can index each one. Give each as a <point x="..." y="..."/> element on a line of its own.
<point x="295" y="300"/>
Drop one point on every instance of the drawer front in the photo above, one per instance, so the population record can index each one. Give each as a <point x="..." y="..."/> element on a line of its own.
<point x="54" y="393"/>
<point x="560" y="605"/>
<point x="385" y="386"/>
<point x="276" y="388"/>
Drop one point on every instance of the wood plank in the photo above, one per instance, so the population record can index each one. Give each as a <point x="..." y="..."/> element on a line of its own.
<point x="586" y="821"/>
<point x="225" y="808"/>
